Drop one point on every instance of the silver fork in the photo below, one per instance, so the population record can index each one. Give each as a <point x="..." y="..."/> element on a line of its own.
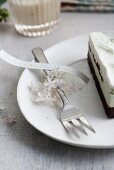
<point x="70" y="116"/>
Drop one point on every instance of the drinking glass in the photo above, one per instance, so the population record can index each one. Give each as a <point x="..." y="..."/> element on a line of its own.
<point x="35" y="17"/>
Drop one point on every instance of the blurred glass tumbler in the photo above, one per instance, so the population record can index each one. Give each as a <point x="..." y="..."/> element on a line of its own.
<point x="35" y="17"/>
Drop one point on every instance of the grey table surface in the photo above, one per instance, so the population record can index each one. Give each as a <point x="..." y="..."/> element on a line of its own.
<point x="21" y="146"/>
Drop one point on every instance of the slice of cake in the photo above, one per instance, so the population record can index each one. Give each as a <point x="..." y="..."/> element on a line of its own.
<point x="101" y="62"/>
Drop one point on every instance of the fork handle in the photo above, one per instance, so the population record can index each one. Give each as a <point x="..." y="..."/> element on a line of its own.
<point x="64" y="97"/>
<point x="40" y="57"/>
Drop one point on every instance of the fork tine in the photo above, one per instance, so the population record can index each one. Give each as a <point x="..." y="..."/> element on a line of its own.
<point x="67" y="126"/>
<point x="78" y="125"/>
<point x="84" y="121"/>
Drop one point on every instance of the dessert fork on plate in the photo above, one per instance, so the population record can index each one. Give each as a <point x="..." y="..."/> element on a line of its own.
<point x="71" y="117"/>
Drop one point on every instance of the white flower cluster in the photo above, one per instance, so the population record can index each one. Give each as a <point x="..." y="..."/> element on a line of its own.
<point x="47" y="90"/>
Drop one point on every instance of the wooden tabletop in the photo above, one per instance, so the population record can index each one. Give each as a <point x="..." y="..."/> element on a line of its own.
<point x="21" y="146"/>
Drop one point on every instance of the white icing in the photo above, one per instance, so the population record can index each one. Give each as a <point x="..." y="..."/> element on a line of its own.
<point x="103" y="41"/>
<point x="103" y="49"/>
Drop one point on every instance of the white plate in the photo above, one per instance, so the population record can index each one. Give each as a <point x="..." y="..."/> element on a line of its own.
<point x="46" y="118"/>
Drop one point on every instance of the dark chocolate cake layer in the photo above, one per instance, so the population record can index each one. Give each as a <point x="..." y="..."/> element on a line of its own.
<point x="109" y="111"/>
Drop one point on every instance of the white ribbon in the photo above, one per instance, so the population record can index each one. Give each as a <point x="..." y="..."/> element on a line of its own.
<point x="41" y="66"/>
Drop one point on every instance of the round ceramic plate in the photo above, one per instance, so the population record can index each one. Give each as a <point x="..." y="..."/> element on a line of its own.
<point x="46" y="118"/>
